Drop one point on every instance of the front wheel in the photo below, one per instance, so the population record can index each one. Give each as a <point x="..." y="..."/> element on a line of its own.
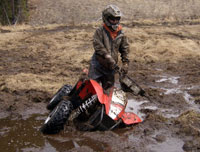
<point x="57" y="118"/>
<point x="64" y="91"/>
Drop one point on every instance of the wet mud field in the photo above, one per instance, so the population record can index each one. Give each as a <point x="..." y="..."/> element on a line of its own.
<point x="37" y="61"/>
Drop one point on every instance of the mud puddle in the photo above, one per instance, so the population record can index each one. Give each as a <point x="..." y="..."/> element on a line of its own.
<point x="163" y="138"/>
<point x="18" y="134"/>
<point x="170" y="86"/>
<point x="22" y="133"/>
<point x="170" y="145"/>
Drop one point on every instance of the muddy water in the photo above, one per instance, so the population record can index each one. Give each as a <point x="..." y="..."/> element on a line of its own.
<point x="22" y="134"/>
<point x="18" y="134"/>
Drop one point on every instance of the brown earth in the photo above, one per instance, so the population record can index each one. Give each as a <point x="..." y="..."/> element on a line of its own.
<point x="165" y="59"/>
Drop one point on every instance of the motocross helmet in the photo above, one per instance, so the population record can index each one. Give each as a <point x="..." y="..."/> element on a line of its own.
<point x="111" y="16"/>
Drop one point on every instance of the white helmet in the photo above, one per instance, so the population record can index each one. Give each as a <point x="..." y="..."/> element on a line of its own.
<point x="110" y="12"/>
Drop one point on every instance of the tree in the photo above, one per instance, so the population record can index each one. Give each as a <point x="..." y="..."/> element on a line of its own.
<point x="13" y="11"/>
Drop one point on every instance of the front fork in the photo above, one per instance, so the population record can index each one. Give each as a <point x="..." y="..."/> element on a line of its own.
<point x="84" y="106"/>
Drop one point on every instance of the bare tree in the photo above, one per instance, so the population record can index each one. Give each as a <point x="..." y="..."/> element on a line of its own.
<point x="13" y="11"/>
<point x="6" y="14"/>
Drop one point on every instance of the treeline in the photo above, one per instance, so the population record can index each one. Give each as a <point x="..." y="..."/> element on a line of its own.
<point x="13" y="11"/>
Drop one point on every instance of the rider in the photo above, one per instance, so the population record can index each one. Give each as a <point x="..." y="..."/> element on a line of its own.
<point x="108" y="40"/>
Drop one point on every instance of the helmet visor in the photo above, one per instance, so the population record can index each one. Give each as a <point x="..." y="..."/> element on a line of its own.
<point x="114" y="20"/>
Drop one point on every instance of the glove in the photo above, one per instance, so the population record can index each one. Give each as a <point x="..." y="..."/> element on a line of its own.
<point x="110" y="62"/>
<point x="124" y="69"/>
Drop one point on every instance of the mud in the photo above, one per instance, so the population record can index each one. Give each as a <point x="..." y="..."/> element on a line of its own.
<point x="37" y="61"/>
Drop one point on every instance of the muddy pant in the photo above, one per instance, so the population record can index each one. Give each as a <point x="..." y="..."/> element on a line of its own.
<point x="107" y="81"/>
<point x="101" y="74"/>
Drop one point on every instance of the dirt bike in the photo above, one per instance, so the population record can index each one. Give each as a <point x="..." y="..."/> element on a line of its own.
<point x="90" y="108"/>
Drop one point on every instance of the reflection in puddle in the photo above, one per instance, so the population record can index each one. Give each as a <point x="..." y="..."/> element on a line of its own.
<point x="188" y="98"/>
<point x="47" y="147"/>
<point x="171" y="87"/>
<point x="169" y="79"/>
<point x="169" y="113"/>
<point x="153" y="108"/>
<point x="172" y="91"/>
<point x="170" y="145"/>
<point x="135" y="107"/>
<point x="75" y="144"/>
<point x="164" y="144"/>
<point x="178" y="89"/>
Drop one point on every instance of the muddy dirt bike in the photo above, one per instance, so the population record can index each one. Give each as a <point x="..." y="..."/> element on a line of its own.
<point x="90" y="108"/>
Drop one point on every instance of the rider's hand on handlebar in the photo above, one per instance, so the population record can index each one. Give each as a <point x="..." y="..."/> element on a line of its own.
<point x="110" y="61"/>
<point x="124" y="68"/>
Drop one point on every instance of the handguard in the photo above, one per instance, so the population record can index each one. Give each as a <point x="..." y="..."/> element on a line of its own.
<point x="129" y="84"/>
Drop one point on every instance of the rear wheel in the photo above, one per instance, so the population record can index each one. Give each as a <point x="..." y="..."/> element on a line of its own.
<point x="57" y="118"/>
<point x="64" y="91"/>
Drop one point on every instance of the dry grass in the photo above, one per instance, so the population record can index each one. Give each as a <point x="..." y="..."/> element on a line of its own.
<point x="66" y="11"/>
<point x="70" y="49"/>
<point x="166" y="9"/>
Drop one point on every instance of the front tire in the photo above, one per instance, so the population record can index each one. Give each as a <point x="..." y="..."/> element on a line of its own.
<point x="64" y="91"/>
<point x="57" y="118"/>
